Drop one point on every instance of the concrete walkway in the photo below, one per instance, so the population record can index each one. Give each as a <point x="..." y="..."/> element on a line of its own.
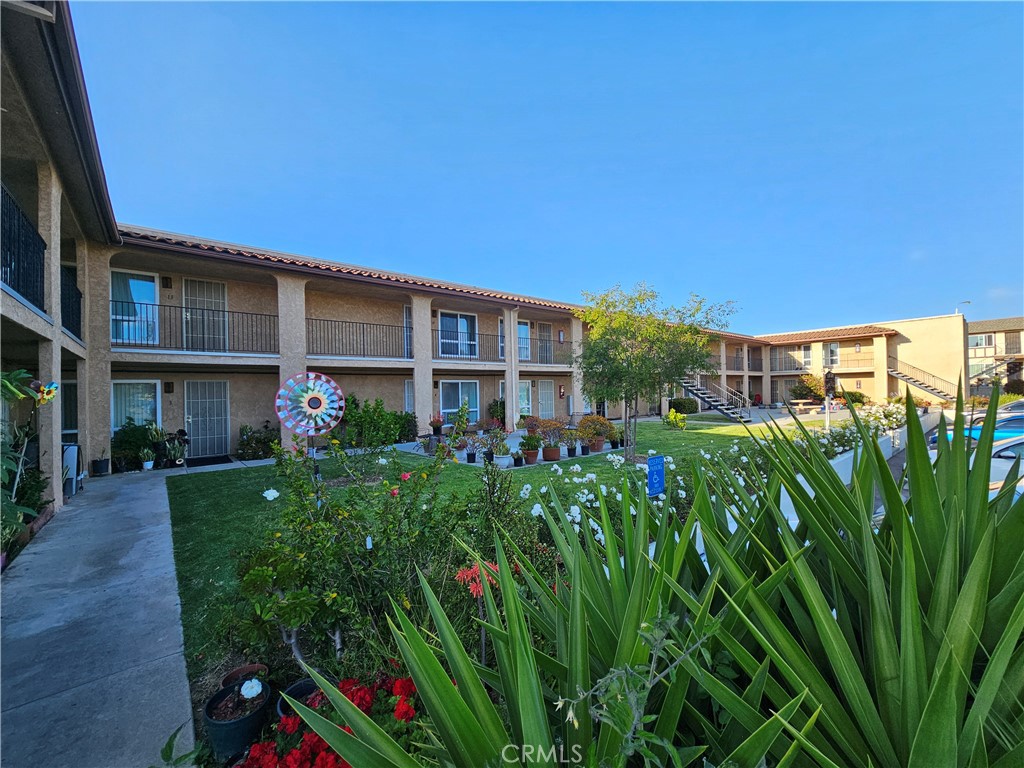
<point x="92" y="673"/>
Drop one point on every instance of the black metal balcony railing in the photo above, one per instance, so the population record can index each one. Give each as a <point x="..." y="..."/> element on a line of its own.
<point x="734" y="363"/>
<point x="490" y="348"/>
<point x="481" y="347"/>
<point x="755" y="364"/>
<point x="851" y="361"/>
<point x="70" y="304"/>
<point x="159" y="326"/>
<point x="344" y="338"/>
<point x="21" y="264"/>
<point x="787" y="364"/>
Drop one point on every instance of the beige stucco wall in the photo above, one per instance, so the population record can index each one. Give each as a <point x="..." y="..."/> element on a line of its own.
<point x="357" y="309"/>
<point x="935" y="344"/>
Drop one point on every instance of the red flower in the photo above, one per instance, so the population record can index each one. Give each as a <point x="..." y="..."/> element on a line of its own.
<point x="316" y="700"/>
<point x="406" y="476"/>
<point x="289" y="724"/>
<point x="471" y="577"/>
<point x="403" y="686"/>
<point x="394" y="491"/>
<point x="297" y="759"/>
<point x="404" y="710"/>
<point x="362" y="697"/>
<point x="313" y="743"/>
<point x="329" y="760"/>
<point x="262" y="755"/>
<point x="348" y="685"/>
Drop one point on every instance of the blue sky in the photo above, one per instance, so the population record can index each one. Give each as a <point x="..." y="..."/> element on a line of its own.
<point x="817" y="164"/>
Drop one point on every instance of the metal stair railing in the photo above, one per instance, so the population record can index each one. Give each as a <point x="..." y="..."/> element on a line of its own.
<point x="930" y="380"/>
<point x="727" y="395"/>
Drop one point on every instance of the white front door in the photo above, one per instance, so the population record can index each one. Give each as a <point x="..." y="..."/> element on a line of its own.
<point x="205" y="315"/>
<point x="206" y="417"/>
<point x="546" y="399"/>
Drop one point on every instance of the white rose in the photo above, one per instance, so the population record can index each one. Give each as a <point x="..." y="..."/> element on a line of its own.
<point x="251" y="688"/>
<point x="270" y="494"/>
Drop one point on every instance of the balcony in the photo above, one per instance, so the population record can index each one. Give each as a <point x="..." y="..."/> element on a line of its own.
<point x="755" y="364"/>
<point x="475" y="347"/>
<point x="23" y="252"/>
<point x="159" y="327"/>
<point x="734" y="363"/>
<point x="70" y="304"/>
<point x="788" y="365"/>
<point x="848" y="362"/>
<point x="490" y="348"/>
<point x="342" y="338"/>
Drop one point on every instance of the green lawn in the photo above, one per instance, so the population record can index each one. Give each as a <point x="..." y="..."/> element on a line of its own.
<point x="216" y="514"/>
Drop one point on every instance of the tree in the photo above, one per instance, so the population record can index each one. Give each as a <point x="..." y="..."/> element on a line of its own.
<point x="634" y="347"/>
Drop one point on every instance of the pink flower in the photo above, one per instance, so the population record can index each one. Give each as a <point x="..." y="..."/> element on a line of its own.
<point x="394" y="491"/>
<point x="406" y="476"/>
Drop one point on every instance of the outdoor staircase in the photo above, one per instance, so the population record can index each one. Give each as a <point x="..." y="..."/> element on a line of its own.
<point x="926" y="382"/>
<point x="725" y="400"/>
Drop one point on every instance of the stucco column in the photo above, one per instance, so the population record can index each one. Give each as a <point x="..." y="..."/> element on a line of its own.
<point x="48" y="422"/>
<point x="576" y="340"/>
<point x="291" y="328"/>
<point x="49" y="230"/>
<point x="96" y="327"/>
<point x="422" y="362"/>
<point x="744" y="366"/>
<point x="511" y="321"/>
<point x="723" y="364"/>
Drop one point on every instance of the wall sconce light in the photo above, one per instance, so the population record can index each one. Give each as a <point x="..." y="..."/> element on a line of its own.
<point x="165" y="283"/>
<point x="561" y="391"/>
<point x="435" y="385"/>
<point x="533" y="383"/>
<point x="856" y="347"/>
<point x="858" y="383"/>
<point x="561" y="337"/>
<point x="168" y="387"/>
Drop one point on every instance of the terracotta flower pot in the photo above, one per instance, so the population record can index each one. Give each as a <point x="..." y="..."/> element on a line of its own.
<point x="597" y="444"/>
<point x="531" y="456"/>
<point x="552" y="454"/>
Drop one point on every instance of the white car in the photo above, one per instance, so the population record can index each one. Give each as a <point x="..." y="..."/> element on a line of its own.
<point x="1004" y="453"/>
<point x="1017" y="406"/>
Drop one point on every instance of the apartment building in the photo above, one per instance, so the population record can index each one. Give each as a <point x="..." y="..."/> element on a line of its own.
<point x="994" y="349"/>
<point x="199" y="334"/>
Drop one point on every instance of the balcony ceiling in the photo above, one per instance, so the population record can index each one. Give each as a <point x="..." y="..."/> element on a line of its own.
<point x="192" y="267"/>
<point x="20" y="138"/>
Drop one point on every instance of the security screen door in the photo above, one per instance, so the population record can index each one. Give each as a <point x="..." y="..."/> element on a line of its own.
<point x="205" y="316"/>
<point x="546" y="399"/>
<point x="206" y="417"/>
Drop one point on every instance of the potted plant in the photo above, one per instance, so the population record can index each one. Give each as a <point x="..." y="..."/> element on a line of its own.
<point x="551" y="431"/>
<point x="517" y="458"/>
<point x="436" y="422"/>
<point x="460" y="446"/>
<point x="234" y="717"/>
<point x="246" y="672"/>
<point x="471" y="448"/>
<point x="530" y="446"/>
<point x="147" y="457"/>
<point x="569" y="438"/>
<point x="613" y="438"/>
<point x="502" y="455"/>
<point x="101" y="466"/>
<point x="175" y="454"/>
<point x="532" y="424"/>
<point x="597" y="429"/>
<point x="158" y="440"/>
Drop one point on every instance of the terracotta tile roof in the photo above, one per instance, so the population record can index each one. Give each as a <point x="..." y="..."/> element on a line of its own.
<point x="1000" y="324"/>
<point x="140" y="236"/>
<point x="827" y="334"/>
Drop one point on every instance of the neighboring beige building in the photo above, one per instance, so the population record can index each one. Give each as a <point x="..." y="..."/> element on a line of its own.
<point x="994" y="349"/>
<point x="198" y="334"/>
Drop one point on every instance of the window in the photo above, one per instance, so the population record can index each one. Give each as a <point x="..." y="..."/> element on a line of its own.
<point x="524" y="340"/>
<point x="133" y="310"/>
<point x="457" y="334"/>
<point x="501" y="389"/>
<point x="453" y="393"/>
<point x="981" y="340"/>
<point x="830" y="353"/>
<point x="138" y="400"/>
<point x="807" y="355"/>
<point x="410" y="396"/>
<point x="975" y="369"/>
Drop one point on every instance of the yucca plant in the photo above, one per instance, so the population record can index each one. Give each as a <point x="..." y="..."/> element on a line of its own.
<point x="592" y="670"/>
<point x="905" y="627"/>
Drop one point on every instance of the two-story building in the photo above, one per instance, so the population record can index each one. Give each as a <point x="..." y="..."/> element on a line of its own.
<point x="994" y="350"/>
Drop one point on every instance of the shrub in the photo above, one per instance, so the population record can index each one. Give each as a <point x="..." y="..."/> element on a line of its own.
<point x="1006" y="399"/>
<point x="856" y="397"/>
<point x="257" y="443"/>
<point x="592" y="426"/>
<point x="530" y="443"/>
<point x="126" y="443"/>
<point x="684" y="405"/>
<point x="551" y="431"/>
<point x="371" y="425"/>
<point x="1014" y="387"/>
<point x="496" y="410"/>
<point x="675" y="419"/>
<point x="810" y="387"/>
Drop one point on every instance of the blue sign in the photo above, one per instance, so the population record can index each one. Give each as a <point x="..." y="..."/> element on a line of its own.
<point x="655" y="475"/>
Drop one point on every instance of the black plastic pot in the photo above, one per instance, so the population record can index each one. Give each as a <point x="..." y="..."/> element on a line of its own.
<point x="298" y="690"/>
<point x="470" y="457"/>
<point x="100" y="467"/>
<point x="488" y="457"/>
<point x="615" y="444"/>
<point x="229" y="738"/>
<point x="571" y="451"/>
<point x="437" y="430"/>
<point x="585" y="449"/>
<point x="517" y="461"/>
